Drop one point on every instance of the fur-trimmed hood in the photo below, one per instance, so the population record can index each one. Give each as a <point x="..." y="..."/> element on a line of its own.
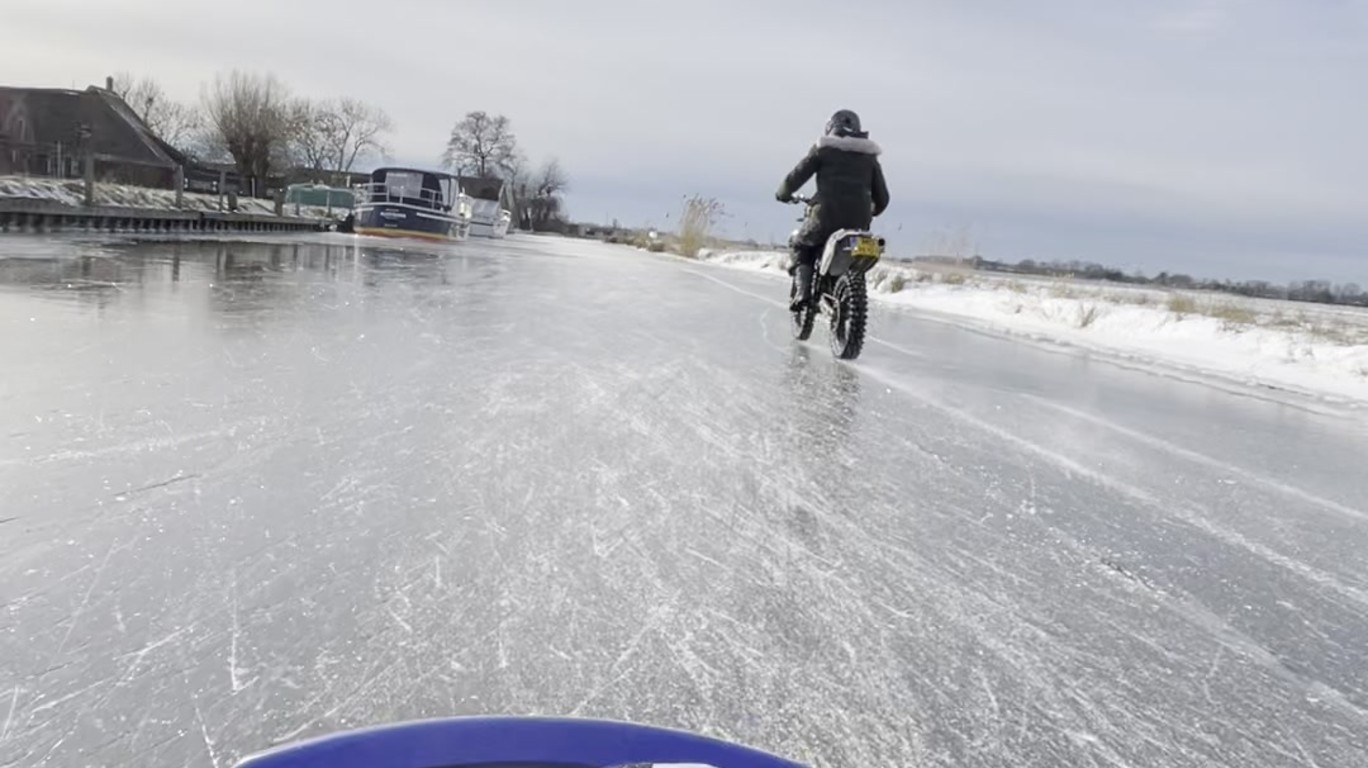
<point x="851" y="144"/>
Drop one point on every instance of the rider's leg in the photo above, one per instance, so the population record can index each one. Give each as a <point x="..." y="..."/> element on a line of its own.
<point x="805" y="258"/>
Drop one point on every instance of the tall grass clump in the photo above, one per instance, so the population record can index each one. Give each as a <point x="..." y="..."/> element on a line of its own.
<point x="700" y="215"/>
<point x="1181" y="305"/>
<point x="1232" y="316"/>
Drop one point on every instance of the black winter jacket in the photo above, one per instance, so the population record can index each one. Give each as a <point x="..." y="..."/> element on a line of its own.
<point x="850" y="187"/>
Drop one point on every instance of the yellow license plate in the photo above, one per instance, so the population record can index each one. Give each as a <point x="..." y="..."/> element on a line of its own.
<point x="865" y="248"/>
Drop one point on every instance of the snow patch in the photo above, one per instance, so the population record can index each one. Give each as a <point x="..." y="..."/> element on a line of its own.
<point x="72" y="192"/>
<point x="1313" y="349"/>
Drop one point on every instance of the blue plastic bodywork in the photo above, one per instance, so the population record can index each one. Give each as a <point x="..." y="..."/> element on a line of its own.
<point x="512" y="742"/>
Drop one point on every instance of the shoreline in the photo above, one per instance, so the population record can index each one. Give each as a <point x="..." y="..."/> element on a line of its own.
<point x="36" y="205"/>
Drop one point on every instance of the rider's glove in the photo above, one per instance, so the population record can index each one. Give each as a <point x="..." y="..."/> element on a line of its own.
<point x="783" y="197"/>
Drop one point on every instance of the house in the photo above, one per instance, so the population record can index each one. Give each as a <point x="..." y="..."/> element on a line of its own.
<point x="49" y="131"/>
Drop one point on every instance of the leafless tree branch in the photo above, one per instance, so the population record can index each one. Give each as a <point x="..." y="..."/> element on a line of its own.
<point x="251" y="117"/>
<point x="481" y="145"/>
<point x="173" y="122"/>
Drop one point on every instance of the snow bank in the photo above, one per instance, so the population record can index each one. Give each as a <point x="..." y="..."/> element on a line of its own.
<point x="72" y="192"/>
<point x="1311" y="349"/>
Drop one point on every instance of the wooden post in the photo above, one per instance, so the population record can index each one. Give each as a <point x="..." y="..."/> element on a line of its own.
<point x="89" y="179"/>
<point x="180" y="185"/>
<point x="87" y="145"/>
<point x="223" y="182"/>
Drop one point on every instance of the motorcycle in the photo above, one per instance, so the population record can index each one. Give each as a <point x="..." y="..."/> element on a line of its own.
<point x="525" y="742"/>
<point x="838" y="289"/>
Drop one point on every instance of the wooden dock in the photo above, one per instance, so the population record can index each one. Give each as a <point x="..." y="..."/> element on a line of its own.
<point x="40" y="216"/>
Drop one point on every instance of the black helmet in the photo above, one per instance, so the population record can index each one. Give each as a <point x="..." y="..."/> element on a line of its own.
<point x="845" y="123"/>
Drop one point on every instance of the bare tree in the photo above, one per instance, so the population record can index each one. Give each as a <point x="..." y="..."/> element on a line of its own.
<point x="206" y="146"/>
<point x="328" y="137"/>
<point x="551" y="179"/>
<point x="481" y="145"/>
<point x="518" y="181"/>
<point x="358" y="131"/>
<point x="546" y="203"/>
<point x="173" y="122"/>
<point x="251" y="117"/>
<point x="312" y="127"/>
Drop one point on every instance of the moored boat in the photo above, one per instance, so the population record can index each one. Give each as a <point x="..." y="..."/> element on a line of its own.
<point x="410" y="202"/>
<point x="489" y="217"/>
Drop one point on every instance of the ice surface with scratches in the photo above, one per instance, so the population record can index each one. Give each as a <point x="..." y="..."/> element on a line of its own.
<point x="252" y="492"/>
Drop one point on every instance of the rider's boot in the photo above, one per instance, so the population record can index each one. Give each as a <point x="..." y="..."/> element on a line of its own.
<point x="804" y="296"/>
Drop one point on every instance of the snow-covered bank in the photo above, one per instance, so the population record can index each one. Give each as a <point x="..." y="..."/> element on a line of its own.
<point x="72" y="192"/>
<point x="1307" y="348"/>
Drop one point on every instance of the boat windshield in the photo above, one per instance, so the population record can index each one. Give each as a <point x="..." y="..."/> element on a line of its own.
<point x="404" y="183"/>
<point x="407" y="186"/>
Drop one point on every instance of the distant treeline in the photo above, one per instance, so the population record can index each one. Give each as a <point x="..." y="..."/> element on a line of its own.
<point x="1318" y="291"/>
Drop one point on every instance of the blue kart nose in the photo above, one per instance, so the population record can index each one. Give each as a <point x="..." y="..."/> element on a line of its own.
<point x="508" y="742"/>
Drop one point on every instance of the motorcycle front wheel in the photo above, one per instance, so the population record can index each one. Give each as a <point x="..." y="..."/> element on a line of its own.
<point x="850" y="313"/>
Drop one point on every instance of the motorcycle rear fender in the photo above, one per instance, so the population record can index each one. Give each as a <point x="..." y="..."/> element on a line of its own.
<point x="836" y="255"/>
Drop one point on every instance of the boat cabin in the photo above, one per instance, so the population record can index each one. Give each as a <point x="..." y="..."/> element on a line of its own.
<point x="411" y="187"/>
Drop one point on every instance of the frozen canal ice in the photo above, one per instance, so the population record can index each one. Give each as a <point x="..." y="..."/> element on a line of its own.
<point x="251" y="492"/>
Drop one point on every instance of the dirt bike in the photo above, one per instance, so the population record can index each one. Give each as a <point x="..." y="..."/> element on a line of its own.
<point x="838" y="288"/>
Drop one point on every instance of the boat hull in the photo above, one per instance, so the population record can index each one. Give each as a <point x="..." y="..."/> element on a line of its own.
<point x="398" y="220"/>
<point x="488" y="219"/>
<point x="496" y="229"/>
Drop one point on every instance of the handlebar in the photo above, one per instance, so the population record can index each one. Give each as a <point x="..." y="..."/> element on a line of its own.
<point x="800" y="200"/>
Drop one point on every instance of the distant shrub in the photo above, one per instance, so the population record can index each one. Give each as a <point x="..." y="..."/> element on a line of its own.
<point x="1181" y="305"/>
<point x="896" y="282"/>
<point x="1016" y="286"/>
<point x="1279" y="319"/>
<point x="1062" y="290"/>
<point x="1232" y="315"/>
<point x="953" y="278"/>
<point x="1334" y="332"/>
<point x="656" y="246"/>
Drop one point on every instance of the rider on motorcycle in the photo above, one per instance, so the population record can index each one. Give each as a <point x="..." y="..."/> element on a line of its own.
<point x="850" y="192"/>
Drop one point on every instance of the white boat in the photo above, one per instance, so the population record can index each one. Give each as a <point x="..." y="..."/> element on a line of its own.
<point x="488" y="216"/>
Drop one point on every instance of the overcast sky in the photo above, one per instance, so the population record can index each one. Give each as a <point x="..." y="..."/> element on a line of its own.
<point x="1217" y="137"/>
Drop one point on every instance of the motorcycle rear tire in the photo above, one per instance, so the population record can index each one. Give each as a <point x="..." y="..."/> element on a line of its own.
<point x="850" y="315"/>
